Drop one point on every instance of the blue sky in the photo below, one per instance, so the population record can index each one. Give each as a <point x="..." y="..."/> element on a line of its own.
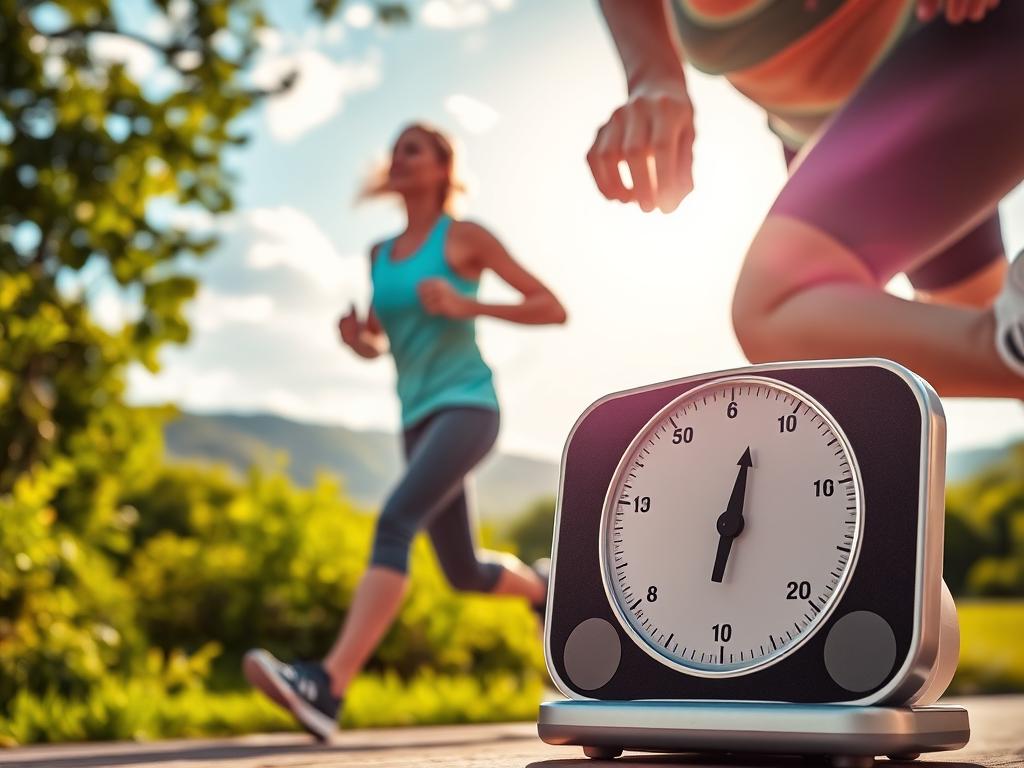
<point x="523" y="84"/>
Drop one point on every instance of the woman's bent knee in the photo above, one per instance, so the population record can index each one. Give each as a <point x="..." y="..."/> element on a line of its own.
<point x="392" y="540"/>
<point x="748" y="325"/>
<point x="786" y="257"/>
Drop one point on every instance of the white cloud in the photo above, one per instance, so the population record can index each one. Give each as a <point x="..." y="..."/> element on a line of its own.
<point x="287" y="237"/>
<point x="334" y="33"/>
<point x="197" y="389"/>
<point x="454" y="14"/>
<point x="358" y="15"/>
<point x="140" y="61"/>
<point x="158" y="29"/>
<point x="269" y="39"/>
<point x="472" y="114"/>
<point x="165" y="212"/>
<point x="142" y="64"/>
<point x="212" y="310"/>
<point x="192" y="218"/>
<point x="113" y="307"/>
<point x="318" y="93"/>
<point x="265" y="332"/>
<point x="451" y="14"/>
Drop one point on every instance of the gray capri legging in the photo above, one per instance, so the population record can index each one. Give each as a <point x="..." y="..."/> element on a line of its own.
<point x="440" y="451"/>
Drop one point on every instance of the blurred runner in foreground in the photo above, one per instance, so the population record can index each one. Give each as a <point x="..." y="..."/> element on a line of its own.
<point x="903" y="126"/>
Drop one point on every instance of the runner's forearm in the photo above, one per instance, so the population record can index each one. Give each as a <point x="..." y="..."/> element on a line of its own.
<point x="542" y="309"/>
<point x="646" y="47"/>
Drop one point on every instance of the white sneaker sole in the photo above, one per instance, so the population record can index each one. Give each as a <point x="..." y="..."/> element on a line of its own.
<point x="260" y="671"/>
<point x="1009" y="311"/>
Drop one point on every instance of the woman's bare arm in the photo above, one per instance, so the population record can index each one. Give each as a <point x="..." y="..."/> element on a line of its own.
<point x="655" y="125"/>
<point x="646" y="47"/>
<point x="539" y="305"/>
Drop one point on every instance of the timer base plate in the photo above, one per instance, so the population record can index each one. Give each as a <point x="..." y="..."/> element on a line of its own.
<point x="850" y="735"/>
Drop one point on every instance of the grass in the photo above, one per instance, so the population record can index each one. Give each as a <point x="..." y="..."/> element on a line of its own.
<point x="991" y="647"/>
<point x="991" y="661"/>
<point x="141" y="710"/>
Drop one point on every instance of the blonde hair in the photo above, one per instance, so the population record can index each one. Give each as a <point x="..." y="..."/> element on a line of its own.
<point x="376" y="184"/>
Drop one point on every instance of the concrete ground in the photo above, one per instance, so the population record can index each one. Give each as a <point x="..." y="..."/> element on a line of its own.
<point x="997" y="741"/>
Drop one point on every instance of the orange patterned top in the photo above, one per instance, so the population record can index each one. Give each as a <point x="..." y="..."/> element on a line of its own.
<point x="799" y="59"/>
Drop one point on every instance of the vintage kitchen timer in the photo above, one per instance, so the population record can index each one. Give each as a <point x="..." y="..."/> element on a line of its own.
<point x="751" y="560"/>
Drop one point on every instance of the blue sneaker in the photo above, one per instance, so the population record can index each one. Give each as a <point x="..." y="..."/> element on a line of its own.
<point x="301" y="687"/>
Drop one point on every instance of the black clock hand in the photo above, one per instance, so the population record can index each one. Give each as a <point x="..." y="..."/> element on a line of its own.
<point x="730" y="522"/>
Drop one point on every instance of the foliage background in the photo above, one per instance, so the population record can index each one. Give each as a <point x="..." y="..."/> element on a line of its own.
<point x="129" y="588"/>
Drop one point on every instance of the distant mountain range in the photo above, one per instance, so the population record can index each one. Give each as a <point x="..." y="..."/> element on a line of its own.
<point x="961" y="464"/>
<point x="369" y="461"/>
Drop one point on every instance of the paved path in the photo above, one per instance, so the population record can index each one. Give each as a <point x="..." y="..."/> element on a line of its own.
<point x="997" y="741"/>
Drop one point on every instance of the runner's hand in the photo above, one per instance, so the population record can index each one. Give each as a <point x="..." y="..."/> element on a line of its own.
<point x="350" y="328"/>
<point x="955" y="11"/>
<point x="655" y="124"/>
<point x="439" y="297"/>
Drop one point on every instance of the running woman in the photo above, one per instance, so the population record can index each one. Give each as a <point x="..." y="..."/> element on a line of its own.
<point x="423" y="310"/>
<point x="902" y="124"/>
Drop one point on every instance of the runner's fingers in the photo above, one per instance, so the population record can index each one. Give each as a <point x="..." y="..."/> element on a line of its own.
<point x="665" y="145"/>
<point x="956" y="10"/>
<point x="684" y="159"/>
<point x="979" y="9"/>
<point x="346" y="320"/>
<point x="636" y="148"/>
<point x="605" y="167"/>
<point x="604" y="157"/>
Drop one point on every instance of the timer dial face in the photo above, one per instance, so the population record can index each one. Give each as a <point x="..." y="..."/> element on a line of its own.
<point x="731" y="526"/>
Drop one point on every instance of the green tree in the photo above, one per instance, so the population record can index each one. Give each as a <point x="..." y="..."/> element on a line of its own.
<point x="85" y="150"/>
<point x="531" y="532"/>
<point x="985" y="530"/>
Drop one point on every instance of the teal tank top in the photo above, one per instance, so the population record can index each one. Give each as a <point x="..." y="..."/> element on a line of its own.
<point x="437" y="359"/>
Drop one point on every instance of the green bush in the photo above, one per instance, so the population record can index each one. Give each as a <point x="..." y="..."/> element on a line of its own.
<point x="66" y="619"/>
<point x="275" y="565"/>
<point x="131" y="622"/>
<point x="985" y="531"/>
<point x="530" y="534"/>
<point x="147" y="708"/>
<point x="991" y="654"/>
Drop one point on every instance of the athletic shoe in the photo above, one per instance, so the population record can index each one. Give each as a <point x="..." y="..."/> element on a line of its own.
<point x="301" y="687"/>
<point x="1009" y="309"/>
